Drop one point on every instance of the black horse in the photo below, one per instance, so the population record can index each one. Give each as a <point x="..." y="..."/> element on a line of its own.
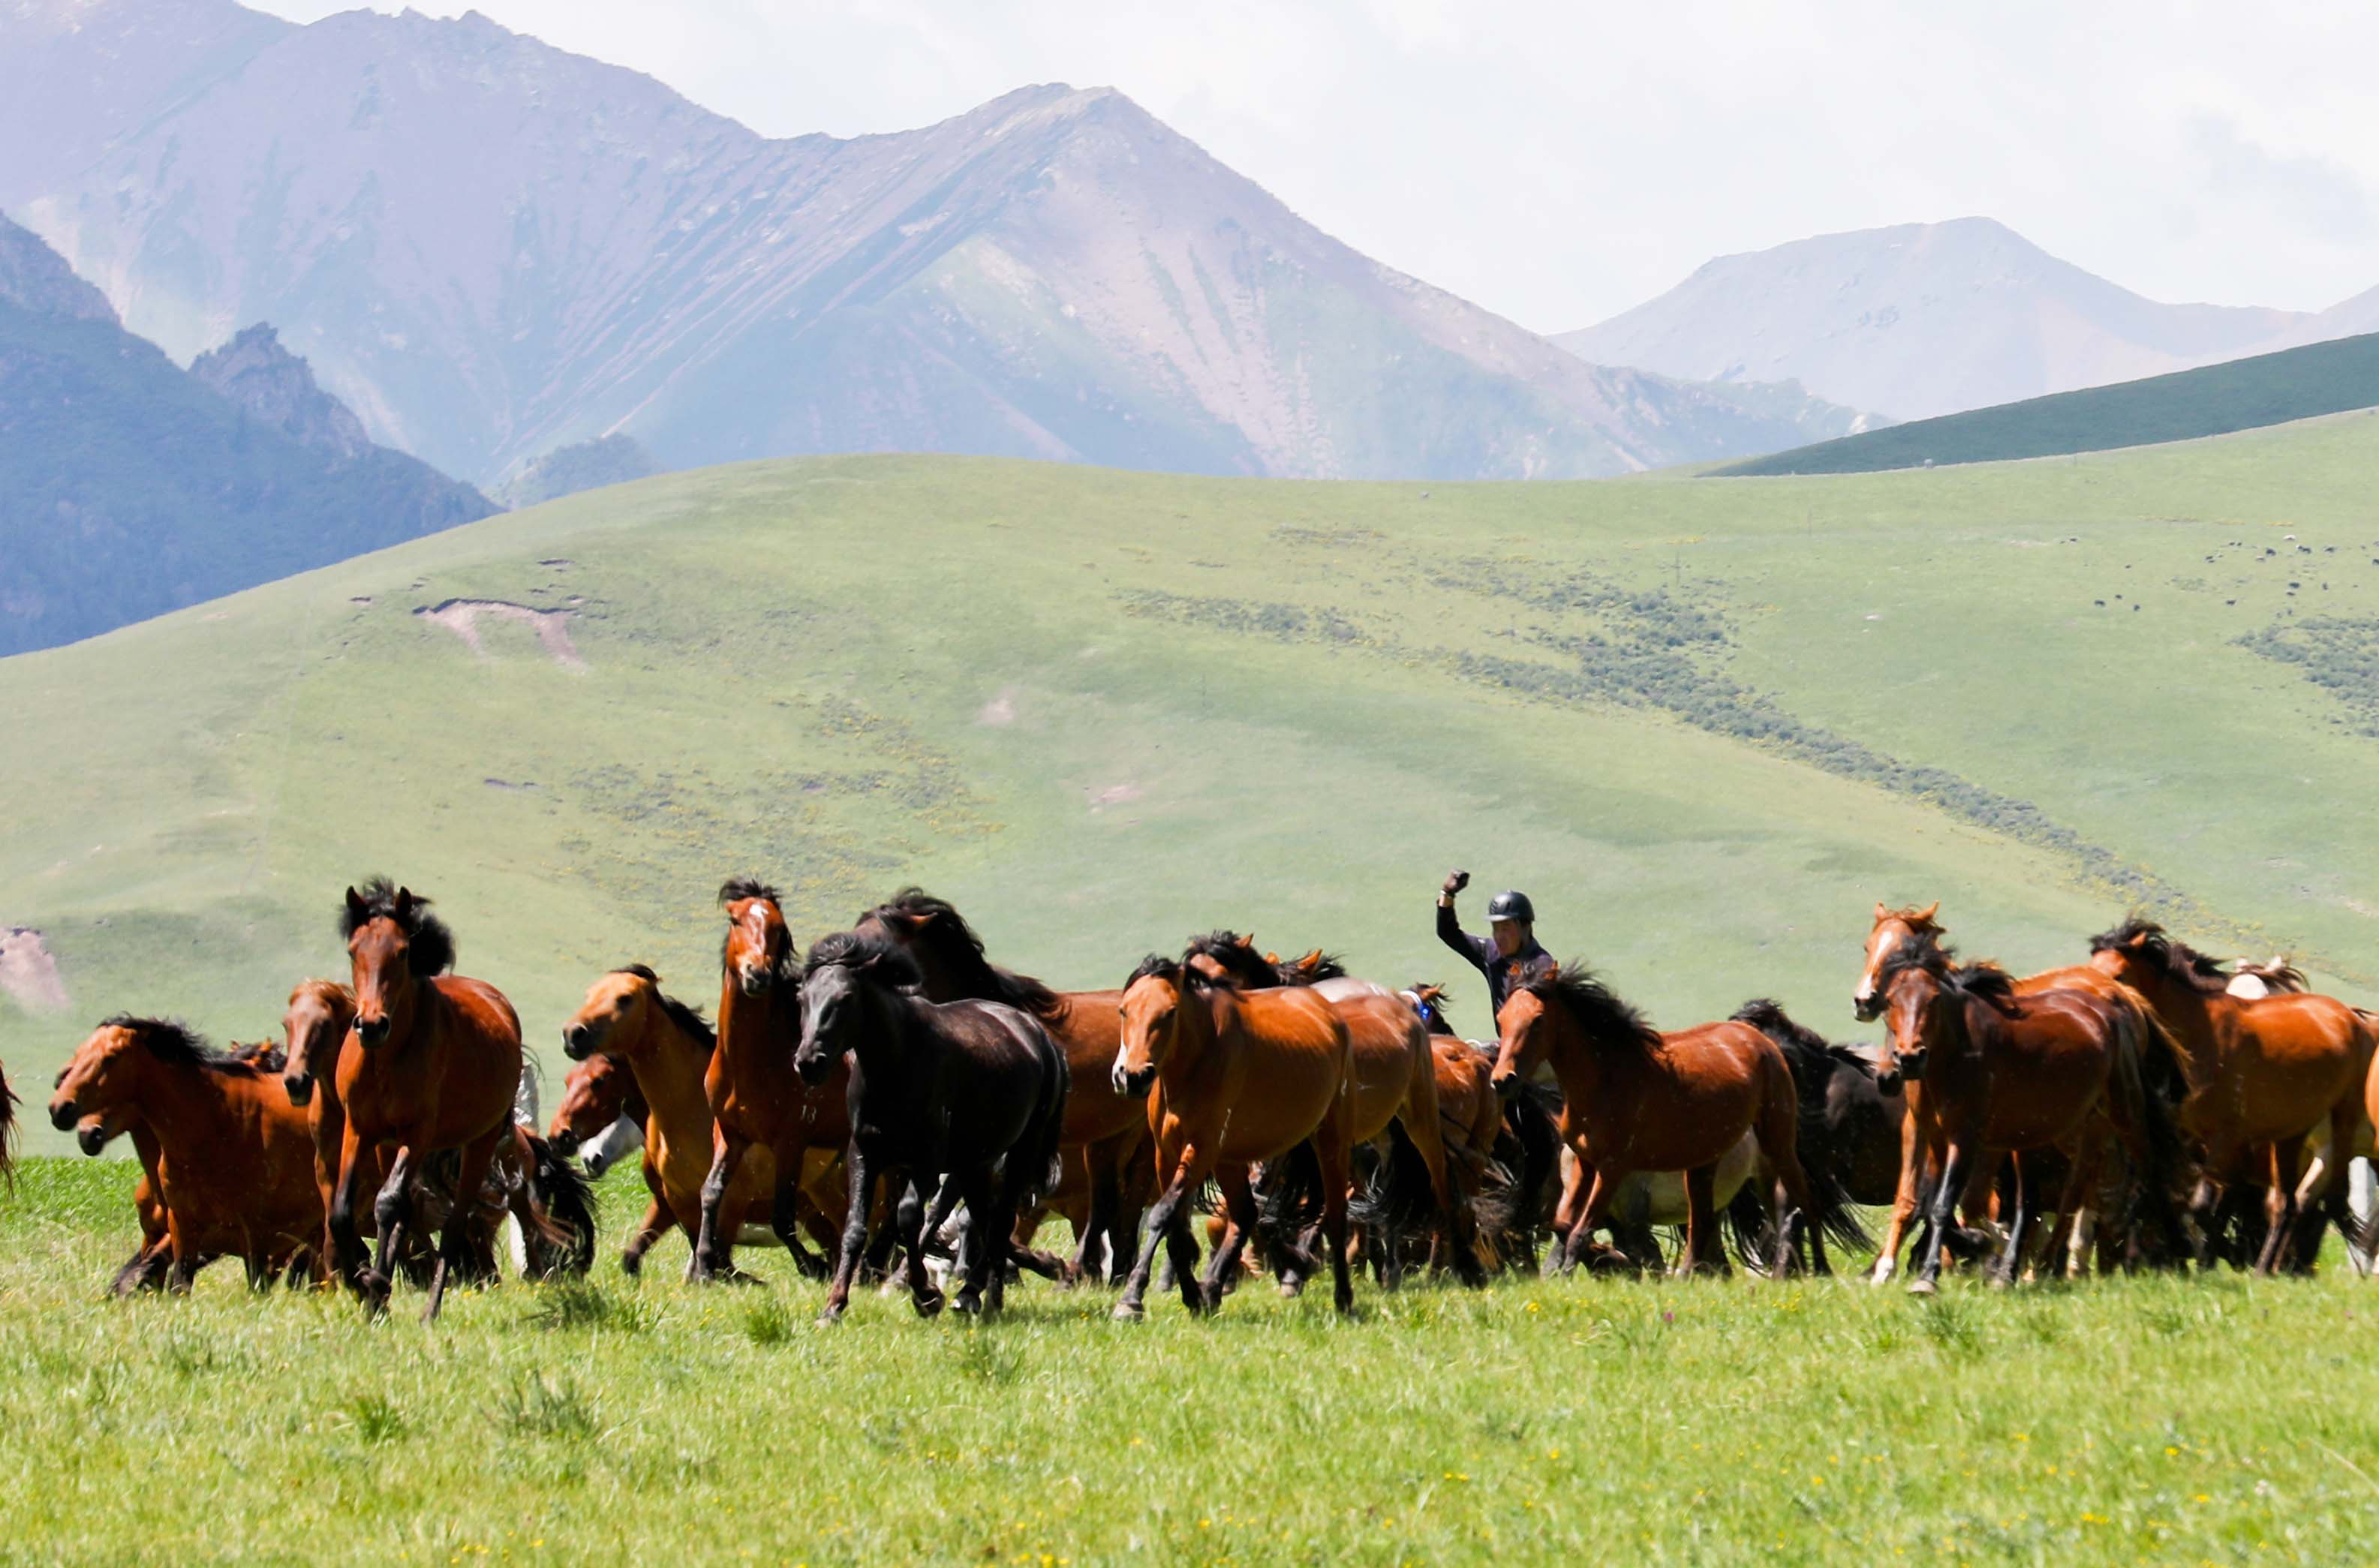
<point x="970" y="1091"/>
<point x="1849" y="1135"/>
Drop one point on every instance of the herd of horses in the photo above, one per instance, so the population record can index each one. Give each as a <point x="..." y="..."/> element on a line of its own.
<point x="894" y="1105"/>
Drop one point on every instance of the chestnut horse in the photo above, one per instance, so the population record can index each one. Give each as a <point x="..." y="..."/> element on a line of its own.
<point x="1633" y="1099"/>
<point x="1989" y="1073"/>
<point x="432" y="1064"/>
<point x="667" y="1045"/>
<point x="971" y="1092"/>
<point x="234" y="1161"/>
<point x="755" y="1097"/>
<point x="2263" y="1074"/>
<point x="1393" y="1076"/>
<point x="1241" y="1077"/>
<point x="1104" y="1146"/>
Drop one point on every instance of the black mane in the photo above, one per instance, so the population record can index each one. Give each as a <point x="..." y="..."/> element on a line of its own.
<point x="1799" y="1042"/>
<point x="1176" y="970"/>
<point x="1321" y="967"/>
<point x="170" y="1041"/>
<point x="883" y="960"/>
<point x="429" y="945"/>
<point x="938" y="924"/>
<point x="2181" y="962"/>
<point x="1238" y="957"/>
<point x="1605" y="1018"/>
<point x="735" y="889"/>
<point x="684" y="1015"/>
<point x="1924" y="949"/>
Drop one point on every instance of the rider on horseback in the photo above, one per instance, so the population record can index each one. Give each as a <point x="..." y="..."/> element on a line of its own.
<point x="1509" y="953"/>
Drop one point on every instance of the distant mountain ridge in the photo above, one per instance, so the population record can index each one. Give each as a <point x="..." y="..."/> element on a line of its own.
<point x="130" y="486"/>
<point x="491" y="249"/>
<point x="1923" y="319"/>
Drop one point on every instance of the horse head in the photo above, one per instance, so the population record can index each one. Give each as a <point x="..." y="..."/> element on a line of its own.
<point x="317" y="1019"/>
<point x="1893" y="930"/>
<point x="611" y="1017"/>
<point x="595" y="1095"/>
<point x="393" y="943"/>
<point x="1155" y="996"/>
<point x="846" y="996"/>
<point x="100" y="1089"/>
<point x="758" y="953"/>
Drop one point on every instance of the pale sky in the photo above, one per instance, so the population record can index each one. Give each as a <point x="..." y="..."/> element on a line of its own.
<point x="1559" y="163"/>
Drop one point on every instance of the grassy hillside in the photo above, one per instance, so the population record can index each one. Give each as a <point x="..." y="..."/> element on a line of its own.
<point x="2244" y="394"/>
<point x="1706" y="724"/>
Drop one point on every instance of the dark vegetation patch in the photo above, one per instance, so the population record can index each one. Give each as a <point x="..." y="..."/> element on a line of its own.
<point x="1283" y="622"/>
<point x="2339" y="654"/>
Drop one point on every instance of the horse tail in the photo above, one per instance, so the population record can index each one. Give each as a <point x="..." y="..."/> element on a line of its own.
<point x="1399" y="1198"/>
<point x="1288" y="1202"/>
<point x="561" y="1206"/>
<point x="2152" y="1085"/>
<point x="9" y="1104"/>
<point x="1043" y="1165"/>
<point x="1746" y="1219"/>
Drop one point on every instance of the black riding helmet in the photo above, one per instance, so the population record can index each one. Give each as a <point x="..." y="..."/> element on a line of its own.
<point x="1512" y="906"/>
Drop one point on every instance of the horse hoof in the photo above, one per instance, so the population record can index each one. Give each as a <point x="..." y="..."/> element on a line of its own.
<point x="830" y="1316"/>
<point x="1128" y="1312"/>
<point x="1922" y="1287"/>
<point x="969" y="1303"/>
<point x="927" y="1302"/>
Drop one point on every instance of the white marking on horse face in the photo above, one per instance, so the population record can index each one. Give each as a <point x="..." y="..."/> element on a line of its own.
<point x="1875" y="964"/>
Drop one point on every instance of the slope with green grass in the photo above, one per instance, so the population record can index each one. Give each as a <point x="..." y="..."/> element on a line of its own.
<point x="1706" y="725"/>
<point x="2243" y="394"/>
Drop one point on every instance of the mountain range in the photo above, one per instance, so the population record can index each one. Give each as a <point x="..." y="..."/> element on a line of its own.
<point x="129" y="485"/>
<point x="1928" y="319"/>
<point x="491" y="248"/>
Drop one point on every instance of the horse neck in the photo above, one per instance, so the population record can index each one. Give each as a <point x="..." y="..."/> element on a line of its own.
<point x="669" y="1064"/>
<point x="1205" y="1030"/>
<point x="187" y="1108"/>
<point x="1576" y="1062"/>
<point x="747" y="1026"/>
<point x="889" y="1045"/>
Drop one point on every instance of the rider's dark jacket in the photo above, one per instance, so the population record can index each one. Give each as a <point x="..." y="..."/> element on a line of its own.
<point x="1480" y="952"/>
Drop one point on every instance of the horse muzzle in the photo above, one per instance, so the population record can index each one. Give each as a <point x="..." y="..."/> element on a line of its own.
<point x="1868" y="1009"/>
<point x="578" y="1042"/>
<point x="373" y="1033"/>
<point x="1506" y="1084"/>
<point x="63" y="1114"/>
<point x="811" y="1066"/>
<point x="299" y="1086"/>
<point x="1133" y="1081"/>
<point x="565" y="1142"/>
<point x="91" y="1136"/>
<point x="1909" y="1067"/>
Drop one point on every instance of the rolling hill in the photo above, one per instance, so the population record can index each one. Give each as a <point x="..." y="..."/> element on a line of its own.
<point x="1705" y="725"/>
<point x="1923" y="319"/>
<point x="491" y="248"/>
<point x="130" y="486"/>
<point x="2244" y="394"/>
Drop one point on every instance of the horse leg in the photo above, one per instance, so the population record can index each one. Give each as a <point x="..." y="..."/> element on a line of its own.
<point x="391" y="1211"/>
<point x="1455" y="1218"/>
<point x="348" y="1254"/>
<point x="1701" y="1222"/>
<point x="714" y="1251"/>
<point x="456" y="1240"/>
<point x="863" y="1178"/>
<point x="2010" y="1257"/>
<point x="1099" y="1216"/>
<point x="784" y="1213"/>
<point x="982" y="1253"/>
<point x="1239" y="1208"/>
<point x="1167" y="1226"/>
<point x="2280" y="1203"/>
<point x="1903" y="1200"/>
<point x="923" y="1294"/>
<point x="1945" y="1192"/>
<point x="650" y="1229"/>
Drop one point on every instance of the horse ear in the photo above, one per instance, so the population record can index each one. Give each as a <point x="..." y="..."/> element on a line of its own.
<point x="1925" y="916"/>
<point x="910" y="918"/>
<point x="1248" y="941"/>
<point x="354" y="902"/>
<point x="1311" y="960"/>
<point x="404" y="905"/>
<point x="1880" y="911"/>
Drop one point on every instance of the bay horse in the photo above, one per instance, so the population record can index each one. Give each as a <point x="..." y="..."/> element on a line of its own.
<point x="1517" y="1196"/>
<point x="1850" y="1131"/>
<point x="1635" y="1099"/>
<point x="1986" y="1072"/>
<point x="1239" y="1077"/>
<point x="1392" y="1077"/>
<point x="2262" y="1074"/>
<point x="432" y="1062"/>
<point x="9" y="1104"/>
<point x="666" y="1046"/>
<point x="971" y="1092"/>
<point x="756" y="1098"/>
<point x="1400" y="1197"/>
<point x="1105" y="1143"/>
<point x="234" y="1169"/>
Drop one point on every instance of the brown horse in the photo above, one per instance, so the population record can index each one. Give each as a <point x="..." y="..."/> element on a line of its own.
<point x="667" y="1045"/>
<point x="1241" y="1077"/>
<point x="1104" y="1146"/>
<point x="1394" y="1077"/>
<point x="432" y="1064"/>
<point x="234" y="1161"/>
<point x="1633" y="1099"/>
<point x="2263" y="1074"/>
<point x="9" y="1104"/>
<point x="596" y="1094"/>
<point x="756" y="1098"/>
<point x="1988" y="1073"/>
<point x="1471" y="1126"/>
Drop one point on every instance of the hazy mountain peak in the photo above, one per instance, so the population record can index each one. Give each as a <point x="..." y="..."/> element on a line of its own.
<point x="1917" y="320"/>
<point x="35" y="278"/>
<point x="273" y="385"/>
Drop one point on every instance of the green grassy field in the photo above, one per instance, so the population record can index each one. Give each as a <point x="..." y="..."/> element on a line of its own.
<point x="1707" y="723"/>
<point x="2167" y="1420"/>
<point x="2241" y="394"/>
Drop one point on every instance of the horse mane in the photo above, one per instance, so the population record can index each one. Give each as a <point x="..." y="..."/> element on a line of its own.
<point x="1312" y="969"/>
<point x="1798" y="1042"/>
<point x="1429" y="999"/>
<point x="1605" y="1018"/>
<point x="1987" y="981"/>
<point x="735" y="889"/>
<point x="684" y="1014"/>
<point x="1924" y="919"/>
<point x="429" y="945"/>
<point x="1924" y="949"/>
<point x="2278" y="975"/>
<point x="881" y="958"/>
<point x="938" y="922"/>
<point x="1241" y="961"/>
<point x="1180" y="971"/>
<point x="2181" y="963"/>
<point x="266" y="1057"/>
<point x="170" y="1041"/>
